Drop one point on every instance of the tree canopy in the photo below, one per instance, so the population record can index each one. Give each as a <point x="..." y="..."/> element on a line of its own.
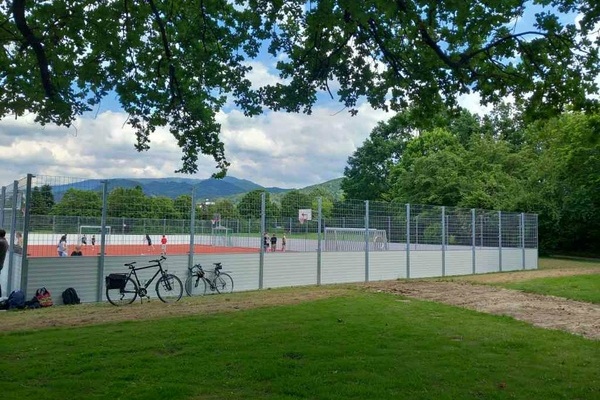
<point x="549" y="167"/>
<point x="175" y="63"/>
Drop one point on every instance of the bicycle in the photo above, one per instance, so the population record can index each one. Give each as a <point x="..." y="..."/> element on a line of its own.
<point x="198" y="284"/>
<point x="122" y="289"/>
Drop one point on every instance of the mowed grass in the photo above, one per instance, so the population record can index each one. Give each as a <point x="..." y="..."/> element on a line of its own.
<point x="568" y="263"/>
<point x="576" y="287"/>
<point x="357" y="346"/>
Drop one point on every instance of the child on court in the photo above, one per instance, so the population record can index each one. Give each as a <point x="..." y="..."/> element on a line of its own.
<point x="163" y="245"/>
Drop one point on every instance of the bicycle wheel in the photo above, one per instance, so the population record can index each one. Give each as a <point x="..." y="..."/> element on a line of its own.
<point x="224" y="283"/>
<point x="169" y="288"/>
<point x="195" y="286"/>
<point x="120" y="297"/>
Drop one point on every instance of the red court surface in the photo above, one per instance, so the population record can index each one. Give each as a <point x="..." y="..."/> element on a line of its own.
<point x="137" y="250"/>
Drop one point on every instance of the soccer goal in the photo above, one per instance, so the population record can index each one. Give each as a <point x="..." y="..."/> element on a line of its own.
<point x="89" y="230"/>
<point x="353" y="239"/>
<point x="220" y="236"/>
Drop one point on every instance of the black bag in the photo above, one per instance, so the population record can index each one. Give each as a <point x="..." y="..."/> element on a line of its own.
<point x="33" y="303"/>
<point x="70" y="296"/>
<point x="16" y="299"/>
<point x="116" y="281"/>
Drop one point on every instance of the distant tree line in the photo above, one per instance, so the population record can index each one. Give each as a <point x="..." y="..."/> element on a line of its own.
<point x="133" y="203"/>
<point x="502" y="162"/>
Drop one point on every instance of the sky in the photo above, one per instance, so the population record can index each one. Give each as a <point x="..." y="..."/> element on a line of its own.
<point x="274" y="149"/>
<point x="279" y="149"/>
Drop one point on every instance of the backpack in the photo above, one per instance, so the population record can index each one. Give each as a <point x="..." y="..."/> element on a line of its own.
<point x="33" y="303"/>
<point x="16" y="300"/>
<point x="70" y="296"/>
<point x="44" y="297"/>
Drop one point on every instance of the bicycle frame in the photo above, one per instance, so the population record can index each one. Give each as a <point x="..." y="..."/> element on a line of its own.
<point x="143" y="289"/>
<point x="198" y="271"/>
<point x="149" y="281"/>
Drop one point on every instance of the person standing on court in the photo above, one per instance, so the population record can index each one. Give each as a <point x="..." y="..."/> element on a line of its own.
<point x="149" y="241"/>
<point x="266" y="241"/>
<point x="62" y="246"/>
<point x="283" y="242"/>
<point x="163" y="245"/>
<point x="273" y="243"/>
<point x="18" y="247"/>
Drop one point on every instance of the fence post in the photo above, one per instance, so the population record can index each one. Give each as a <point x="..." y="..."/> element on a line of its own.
<point x="473" y="235"/>
<point x="481" y="231"/>
<point x="443" y="240"/>
<point x="407" y="241"/>
<point x="389" y="233"/>
<point x="319" y="238"/>
<point x="522" y="225"/>
<point x="500" y="240"/>
<point x="366" y="240"/>
<point x="537" y="239"/>
<point x="102" y="241"/>
<point x="192" y="228"/>
<point x="416" y="232"/>
<point x="263" y="229"/>
<point x="3" y="203"/>
<point x="26" y="223"/>
<point x="11" y="243"/>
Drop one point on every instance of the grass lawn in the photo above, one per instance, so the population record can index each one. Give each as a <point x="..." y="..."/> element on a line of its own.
<point x="357" y="346"/>
<point x="565" y="263"/>
<point x="576" y="287"/>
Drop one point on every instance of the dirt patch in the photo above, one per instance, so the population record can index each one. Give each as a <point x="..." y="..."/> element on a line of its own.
<point x="544" y="311"/>
<point x="100" y="313"/>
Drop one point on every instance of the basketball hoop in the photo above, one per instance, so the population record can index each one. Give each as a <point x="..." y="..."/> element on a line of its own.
<point x="304" y="215"/>
<point x="302" y="218"/>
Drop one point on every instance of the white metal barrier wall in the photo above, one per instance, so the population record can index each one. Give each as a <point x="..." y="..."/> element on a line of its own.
<point x="280" y="269"/>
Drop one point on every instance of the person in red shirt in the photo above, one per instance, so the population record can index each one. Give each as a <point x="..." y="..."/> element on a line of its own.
<point x="163" y="245"/>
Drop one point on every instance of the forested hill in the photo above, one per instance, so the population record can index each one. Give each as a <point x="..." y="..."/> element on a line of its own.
<point x="228" y="187"/>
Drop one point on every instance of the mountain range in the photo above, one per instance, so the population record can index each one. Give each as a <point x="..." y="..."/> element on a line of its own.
<point x="228" y="187"/>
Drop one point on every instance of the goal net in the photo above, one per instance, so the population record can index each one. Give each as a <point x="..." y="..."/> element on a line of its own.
<point x="220" y="236"/>
<point x="92" y="230"/>
<point x="353" y="239"/>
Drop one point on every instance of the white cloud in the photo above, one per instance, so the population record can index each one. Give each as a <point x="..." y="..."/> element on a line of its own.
<point x="472" y="102"/>
<point x="261" y="75"/>
<point x="274" y="149"/>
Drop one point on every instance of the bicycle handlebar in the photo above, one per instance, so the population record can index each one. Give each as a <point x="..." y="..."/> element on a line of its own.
<point x="162" y="258"/>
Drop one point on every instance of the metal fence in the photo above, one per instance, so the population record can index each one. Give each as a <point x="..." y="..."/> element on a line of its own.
<point x="118" y="218"/>
<point x="38" y="211"/>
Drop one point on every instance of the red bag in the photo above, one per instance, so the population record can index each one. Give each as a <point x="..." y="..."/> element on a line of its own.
<point x="44" y="297"/>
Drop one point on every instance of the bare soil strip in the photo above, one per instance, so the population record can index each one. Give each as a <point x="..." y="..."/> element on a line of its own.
<point x="100" y="313"/>
<point x="544" y="311"/>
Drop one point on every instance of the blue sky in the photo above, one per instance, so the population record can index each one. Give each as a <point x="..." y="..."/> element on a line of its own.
<point x="273" y="149"/>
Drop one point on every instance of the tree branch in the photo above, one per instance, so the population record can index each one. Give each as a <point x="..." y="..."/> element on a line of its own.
<point x="173" y="82"/>
<point x="36" y="44"/>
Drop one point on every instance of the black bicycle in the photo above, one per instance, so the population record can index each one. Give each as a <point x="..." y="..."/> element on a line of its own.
<point x="198" y="283"/>
<point x="123" y="289"/>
